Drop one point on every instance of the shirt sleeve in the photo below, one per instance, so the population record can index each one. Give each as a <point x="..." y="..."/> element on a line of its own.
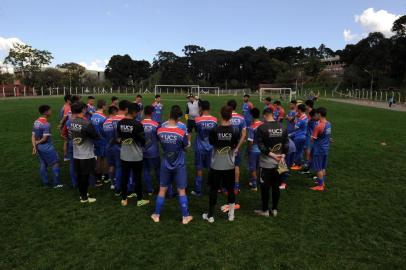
<point x="250" y="134"/>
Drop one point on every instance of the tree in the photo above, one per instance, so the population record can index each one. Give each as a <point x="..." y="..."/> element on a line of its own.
<point x="27" y="61"/>
<point x="399" y="26"/>
<point x="6" y="78"/>
<point x="74" y="73"/>
<point x="119" y="70"/>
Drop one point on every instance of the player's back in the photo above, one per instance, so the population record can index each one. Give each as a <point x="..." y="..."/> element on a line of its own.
<point x="109" y="131"/>
<point x="173" y="141"/>
<point x="224" y="139"/>
<point x="301" y="126"/>
<point x="252" y="134"/>
<point x="322" y="136"/>
<point x="179" y="124"/>
<point x="151" y="148"/>
<point x="237" y="122"/>
<point x="204" y="124"/>
<point x="42" y="128"/>
<point x="97" y="121"/>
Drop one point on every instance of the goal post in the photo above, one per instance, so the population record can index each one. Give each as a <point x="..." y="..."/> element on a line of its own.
<point x="277" y="93"/>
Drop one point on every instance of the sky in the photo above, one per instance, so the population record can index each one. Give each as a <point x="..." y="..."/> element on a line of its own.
<point x="89" y="32"/>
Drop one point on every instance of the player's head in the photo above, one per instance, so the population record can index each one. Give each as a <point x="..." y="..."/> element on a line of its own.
<point x="268" y="114"/>
<point x="123" y="105"/>
<point x="158" y="98"/>
<point x="78" y="108"/>
<point x="246" y="97"/>
<point x="255" y="113"/>
<point x="67" y="98"/>
<point x="75" y="99"/>
<point x="114" y="100"/>
<point x="321" y="112"/>
<point x="133" y="109"/>
<point x="309" y="104"/>
<point x="232" y="103"/>
<point x="45" y="110"/>
<point x="292" y="104"/>
<point x="138" y="98"/>
<point x="277" y="103"/>
<point x="312" y="114"/>
<point x="204" y="106"/>
<point x="268" y="100"/>
<point x="148" y="110"/>
<point x="113" y="110"/>
<point x="90" y="100"/>
<point x="101" y="104"/>
<point x="226" y="113"/>
<point x="301" y="108"/>
<point x="175" y="113"/>
<point x="191" y="97"/>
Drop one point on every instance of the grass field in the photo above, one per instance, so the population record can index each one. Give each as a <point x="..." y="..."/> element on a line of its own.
<point x="358" y="223"/>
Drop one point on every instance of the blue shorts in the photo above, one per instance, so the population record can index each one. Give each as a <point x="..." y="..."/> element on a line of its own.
<point x="113" y="155"/>
<point x="178" y="175"/>
<point x="253" y="161"/>
<point x="202" y="160"/>
<point x="48" y="157"/>
<point x="319" y="162"/>
<point x="100" y="149"/>
<point x="237" y="161"/>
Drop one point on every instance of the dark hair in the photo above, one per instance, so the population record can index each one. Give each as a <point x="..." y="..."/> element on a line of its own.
<point x="312" y="113"/>
<point x="91" y="97"/>
<point x="269" y="99"/>
<point x="67" y="97"/>
<point x="277" y="102"/>
<point x="157" y="96"/>
<point x="133" y="108"/>
<point x="255" y="113"/>
<point x="148" y="110"/>
<point x="139" y="96"/>
<point x="226" y="112"/>
<point x="293" y="101"/>
<point x="113" y="110"/>
<point x="301" y="107"/>
<point x="123" y="104"/>
<point x="246" y="95"/>
<point x="322" y="111"/>
<point x="176" y="112"/>
<point x="75" y="98"/>
<point x="77" y="107"/>
<point x="232" y="103"/>
<point x="309" y="103"/>
<point x="114" y="98"/>
<point x="43" y="109"/>
<point x="101" y="103"/>
<point x="204" y="105"/>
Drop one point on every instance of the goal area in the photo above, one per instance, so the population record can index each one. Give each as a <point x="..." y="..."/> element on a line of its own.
<point x="277" y="93"/>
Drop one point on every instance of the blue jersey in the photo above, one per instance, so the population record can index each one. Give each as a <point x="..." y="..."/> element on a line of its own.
<point x="311" y="124"/>
<point x="252" y="133"/>
<point x="40" y="129"/>
<point x="158" y="111"/>
<point x="173" y="141"/>
<point x="246" y="112"/>
<point x="139" y="114"/>
<point x="300" y="127"/>
<point x="179" y="124"/>
<point x="109" y="131"/>
<point x="90" y="109"/>
<point x="238" y="122"/>
<point x="290" y="126"/>
<point x="204" y="124"/>
<point x="321" y="138"/>
<point x="151" y="148"/>
<point x="97" y="121"/>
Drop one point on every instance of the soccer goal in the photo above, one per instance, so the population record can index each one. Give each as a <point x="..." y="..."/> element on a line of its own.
<point x="209" y="90"/>
<point x="277" y="93"/>
<point x="234" y="92"/>
<point x="177" y="89"/>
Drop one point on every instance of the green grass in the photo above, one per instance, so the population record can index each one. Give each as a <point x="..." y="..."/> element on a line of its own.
<point x="358" y="223"/>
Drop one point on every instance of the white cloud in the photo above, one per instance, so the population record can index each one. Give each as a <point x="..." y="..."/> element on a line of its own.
<point x="99" y="65"/>
<point x="5" y="45"/>
<point x="348" y="36"/>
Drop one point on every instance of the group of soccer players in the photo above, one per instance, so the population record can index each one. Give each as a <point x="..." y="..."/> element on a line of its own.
<point x="122" y="149"/>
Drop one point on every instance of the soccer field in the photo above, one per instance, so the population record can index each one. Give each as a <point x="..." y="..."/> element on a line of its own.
<point x="358" y="223"/>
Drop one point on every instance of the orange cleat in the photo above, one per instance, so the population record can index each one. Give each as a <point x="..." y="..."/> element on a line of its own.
<point x="318" y="188"/>
<point x="296" y="168"/>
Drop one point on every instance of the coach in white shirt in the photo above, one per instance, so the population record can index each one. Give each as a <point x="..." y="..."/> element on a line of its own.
<point x="192" y="111"/>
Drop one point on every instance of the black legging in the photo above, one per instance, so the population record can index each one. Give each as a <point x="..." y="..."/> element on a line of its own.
<point x="136" y="168"/>
<point x="217" y="178"/>
<point x="269" y="178"/>
<point x="83" y="185"/>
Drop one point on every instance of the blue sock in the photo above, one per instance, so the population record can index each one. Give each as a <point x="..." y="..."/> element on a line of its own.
<point x="43" y="172"/>
<point x="184" y="205"/>
<point x="198" y="184"/>
<point x="159" y="203"/>
<point x="55" y="173"/>
<point x="237" y="185"/>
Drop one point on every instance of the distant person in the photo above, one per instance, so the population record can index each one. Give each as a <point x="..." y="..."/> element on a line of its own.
<point x="90" y="108"/>
<point x="391" y="101"/>
<point x="253" y="150"/>
<point x="43" y="147"/>
<point x="290" y="118"/>
<point x="268" y="103"/>
<point x="158" y="109"/>
<point x="109" y="134"/>
<point x="278" y="111"/>
<point x="192" y="111"/>
<point x="138" y="101"/>
<point x="114" y="101"/>
<point x="246" y="109"/>
<point x="64" y="113"/>
<point x="299" y="136"/>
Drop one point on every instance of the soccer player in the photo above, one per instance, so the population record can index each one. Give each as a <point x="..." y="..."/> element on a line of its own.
<point x="152" y="160"/>
<point x="299" y="136"/>
<point x="278" y="112"/>
<point x="108" y="135"/>
<point x="90" y="108"/>
<point x="138" y="101"/>
<point x="238" y="123"/>
<point x="224" y="140"/>
<point x="202" y="147"/>
<point x="83" y="134"/>
<point x="130" y="134"/>
<point x="268" y="103"/>
<point x="321" y="144"/>
<point x="272" y="140"/>
<point x="114" y="101"/>
<point x="158" y="109"/>
<point x="192" y="111"/>
<point x="43" y="147"/>
<point x="246" y="110"/>
<point x="310" y="126"/>
<point x="97" y="119"/>
<point x="253" y="150"/>
<point x="290" y="125"/>
<point x="173" y="166"/>
<point x="65" y="111"/>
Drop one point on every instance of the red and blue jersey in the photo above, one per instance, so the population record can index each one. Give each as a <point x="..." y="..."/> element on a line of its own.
<point x="97" y="121"/>
<point x="179" y="124"/>
<point x="252" y="132"/>
<point x="204" y="125"/>
<point x="300" y="127"/>
<point x="90" y="110"/>
<point x="278" y="114"/>
<point x="246" y="112"/>
<point x="139" y="114"/>
<point x="108" y="130"/>
<point x="158" y="111"/>
<point x="151" y="148"/>
<point x="115" y="119"/>
<point x="238" y="122"/>
<point x="321" y="138"/>
<point x="40" y="129"/>
<point x="173" y="141"/>
<point x="311" y="124"/>
<point x="290" y="125"/>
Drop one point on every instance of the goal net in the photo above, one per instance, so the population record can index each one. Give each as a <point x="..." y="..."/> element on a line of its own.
<point x="277" y="93"/>
<point x="209" y="90"/>
<point x="176" y="89"/>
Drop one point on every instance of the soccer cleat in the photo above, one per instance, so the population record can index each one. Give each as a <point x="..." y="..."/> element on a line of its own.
<point x="124" y="202"/>
<point x="274" y="212"/>
<point x="150" y="193"/>
<point x="305" y="171"/>
<point x="117" y="194"/>
<point x="318" y="188"/>
<point x="195" y="193"/>
<point x="262" y="213"/>
<point x="226" y="207"/>
<point x="296" y="168"/>
<point x="142" y="202"/>
<point x="155" y="218"/>
<point x="58" y="186"/>
<point x="132" y="195"/>
<point x="112" y="187"/>
<point x="205" y="216"/>
<point x="88" y="200"/>
<point x="282" y="186"/>
<point x="107" y="180"/>
<point x="99" y="183"/>
<point x="186" y="220"/>
<point x="66" y="158"/>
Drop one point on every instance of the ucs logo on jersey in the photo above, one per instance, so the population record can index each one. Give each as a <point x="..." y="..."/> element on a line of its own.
<point x="168" y="138"/>
<point x="277" y="132"/>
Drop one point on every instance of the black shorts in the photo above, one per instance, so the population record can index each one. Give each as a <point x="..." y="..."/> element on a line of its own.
<point x="84" y="166"/>
<point x="191" y="124"/>
<point x="220" y="178"/>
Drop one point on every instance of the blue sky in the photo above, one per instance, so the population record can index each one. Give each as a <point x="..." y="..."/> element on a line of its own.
<point x="91" y="31"/>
